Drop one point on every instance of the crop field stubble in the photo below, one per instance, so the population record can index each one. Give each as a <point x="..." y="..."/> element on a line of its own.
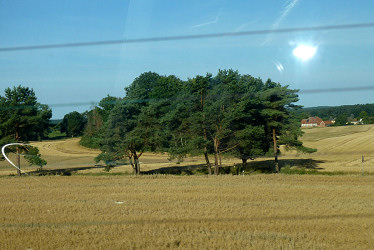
<point x="160" y="211"/>
<point x="339" y="149"/>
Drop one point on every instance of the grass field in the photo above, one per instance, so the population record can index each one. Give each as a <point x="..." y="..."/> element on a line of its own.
<point x="93" y="210"/>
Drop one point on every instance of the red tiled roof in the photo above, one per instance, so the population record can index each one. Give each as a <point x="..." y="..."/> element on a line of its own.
<point x="328" y="122"/>
<point x="312" y="120"/>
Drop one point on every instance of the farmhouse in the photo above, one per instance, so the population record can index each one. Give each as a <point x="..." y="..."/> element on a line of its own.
<point x="315" y="121"/>
<point x="355" y="121"/>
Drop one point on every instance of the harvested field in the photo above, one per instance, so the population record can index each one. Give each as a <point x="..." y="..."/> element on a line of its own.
<point x="340" y="148"/>
<point x="198" y="212"/>
<point x="164" y="211"/>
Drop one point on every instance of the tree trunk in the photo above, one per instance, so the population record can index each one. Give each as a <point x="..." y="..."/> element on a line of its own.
<point x="207" y="161"/>
<point x="216" y="166"/>
<point x="276" y="164"/>
<point x="132" y="165"/>
<point x="206" y="150"/>
<point x="220" y="159"/>
<point x="275" y="151"/>
<point x="137" y="163"/>
<point x="18" y="163"/>
<point x="205" y="135"/>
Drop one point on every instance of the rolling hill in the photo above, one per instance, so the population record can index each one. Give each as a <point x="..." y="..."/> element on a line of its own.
<point x="339" y="149"/>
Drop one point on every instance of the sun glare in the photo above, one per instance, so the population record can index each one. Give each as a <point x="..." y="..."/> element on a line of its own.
<point x="304" y="52"/>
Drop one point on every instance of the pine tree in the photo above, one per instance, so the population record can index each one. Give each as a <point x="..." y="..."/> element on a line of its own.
<point x="278" y="106"/>
<point x="22" y="119"/>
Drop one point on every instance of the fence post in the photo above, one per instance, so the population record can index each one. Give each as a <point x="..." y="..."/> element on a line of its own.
<point x="363" y="165"/>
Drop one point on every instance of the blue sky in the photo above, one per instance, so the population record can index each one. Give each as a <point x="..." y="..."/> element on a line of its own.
<point x="72" y="76"/>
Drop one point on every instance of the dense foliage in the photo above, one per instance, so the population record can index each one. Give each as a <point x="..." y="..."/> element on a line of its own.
<point x="23" y="119"/>
<point x="73" y="124"/>
<point x="229" y="113"/>
<point x="95" y="120"/>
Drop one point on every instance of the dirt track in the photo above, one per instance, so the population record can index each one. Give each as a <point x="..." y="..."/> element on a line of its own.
<point x="68" y="153"/>
<point x="67" y="147"/>
<point x="59" y="154"/>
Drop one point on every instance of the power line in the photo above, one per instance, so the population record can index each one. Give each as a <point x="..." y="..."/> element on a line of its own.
<point x="304" y="91"/>
<point x="95" y="103"/>
<point x="188" y="37"/>
<point x="326" y="90"/>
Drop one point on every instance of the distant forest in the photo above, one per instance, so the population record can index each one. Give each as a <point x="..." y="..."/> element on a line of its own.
<point x="327" y="113"/>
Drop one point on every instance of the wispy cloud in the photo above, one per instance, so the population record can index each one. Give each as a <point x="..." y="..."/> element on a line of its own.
<point x="290" y="4"/>
<point x="286" y="10"/>
<point x="210" y="22"/>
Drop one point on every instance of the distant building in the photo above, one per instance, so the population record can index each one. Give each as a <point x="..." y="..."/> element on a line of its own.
<point x="355" y="121"/>
<point x="315" y="121"/>
<point x="329" y="123"/>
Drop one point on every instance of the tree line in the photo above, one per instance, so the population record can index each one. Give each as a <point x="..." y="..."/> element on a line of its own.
<point x="342" y="114"/>
<point x="228" y="113"/>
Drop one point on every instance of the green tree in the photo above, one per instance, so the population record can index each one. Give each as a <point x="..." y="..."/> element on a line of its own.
<point x="218" y="115"/>
<point x="364" y="116"/>
<point x="226" y="93"/>
<point x="278" y="106"/>
<point x="186" y="120"/>
<point x="73" y="124"/>
<point x="124" y="136"/>
<point x="341" y="120"/>
<point x="106" y="105"/>
<point x="22" y="119"/>
<point x="34" y="157"/>
<point x="249" y="135"/>
<point x="95" y="121"/>
<point x="226" y="114"/>
<point x="92" y="129"/>
<point x="135" y="124"/>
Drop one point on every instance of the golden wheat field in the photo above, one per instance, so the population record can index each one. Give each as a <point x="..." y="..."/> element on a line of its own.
<point x="339" y="149"/>
<point x="189" y="212"/>
<point x="96" y="210"/>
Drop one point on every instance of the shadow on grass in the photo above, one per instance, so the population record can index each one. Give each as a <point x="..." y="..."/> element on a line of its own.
<point x="287" y="166"/>
<point x="64" y="171"/>
<point x="180" y="170"/>
<point x="265" y="166"/>
<point x="57" y="138"/>
<point x="301" y="163"/>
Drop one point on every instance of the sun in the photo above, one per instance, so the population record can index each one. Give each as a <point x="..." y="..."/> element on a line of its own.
<point x="304" y="52"/>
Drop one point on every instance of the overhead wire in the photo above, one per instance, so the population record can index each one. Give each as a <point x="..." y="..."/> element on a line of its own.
<point x="188" y="37"/>
<point x="95" y="103"/>
<point x="200" y="36"/>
